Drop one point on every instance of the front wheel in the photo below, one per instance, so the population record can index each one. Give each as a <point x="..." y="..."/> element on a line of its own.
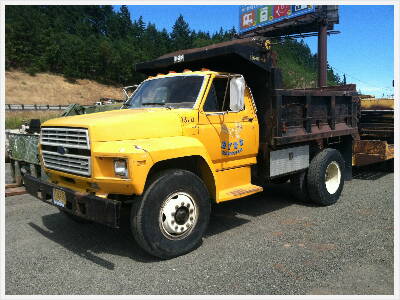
<point x="172" y="216"/>
<point x="325" y="177"/>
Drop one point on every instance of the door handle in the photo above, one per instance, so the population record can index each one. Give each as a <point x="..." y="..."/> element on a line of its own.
<point x="247" y="119"/>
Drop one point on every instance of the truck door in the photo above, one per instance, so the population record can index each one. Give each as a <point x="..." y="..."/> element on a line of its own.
<point x="231" y="138"/>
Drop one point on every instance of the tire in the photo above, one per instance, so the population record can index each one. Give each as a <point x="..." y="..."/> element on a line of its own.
<point x="74" y="218"/>
<point x="325" y="177"/>
<point x="165" y="228"/>
<point x="299" y="186"/>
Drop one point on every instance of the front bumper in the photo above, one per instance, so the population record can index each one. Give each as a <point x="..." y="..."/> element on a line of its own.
<point x="86" y="206"/>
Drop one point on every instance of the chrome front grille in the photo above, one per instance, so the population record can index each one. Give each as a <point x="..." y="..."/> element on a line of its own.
<point x="66" y="149"/>
<point x="76" y="164"/>
<point x="67" y="137"/>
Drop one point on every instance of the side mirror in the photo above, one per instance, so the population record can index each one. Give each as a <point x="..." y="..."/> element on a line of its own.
<point x="237" y="87"/>
<point x="131" y="88"/>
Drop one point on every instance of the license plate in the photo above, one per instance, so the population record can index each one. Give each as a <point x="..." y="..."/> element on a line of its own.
<point x="59" y="197"/>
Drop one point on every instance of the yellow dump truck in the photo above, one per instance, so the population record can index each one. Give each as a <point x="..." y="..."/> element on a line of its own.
<point x="208" y="125"/>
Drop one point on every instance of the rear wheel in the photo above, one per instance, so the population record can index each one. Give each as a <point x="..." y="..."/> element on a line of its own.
<point x="325" y="177"/>
<point x="172" y="216"/>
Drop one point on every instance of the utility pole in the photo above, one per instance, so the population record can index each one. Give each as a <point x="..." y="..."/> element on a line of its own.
<point x="322" y="52"/>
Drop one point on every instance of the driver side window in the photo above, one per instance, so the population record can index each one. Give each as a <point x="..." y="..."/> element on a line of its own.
<point x="218" y="96"/>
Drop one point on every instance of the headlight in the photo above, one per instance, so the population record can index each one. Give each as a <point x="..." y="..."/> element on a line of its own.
<point x="121" y="168"/>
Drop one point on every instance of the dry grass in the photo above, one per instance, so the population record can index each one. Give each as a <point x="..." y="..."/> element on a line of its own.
<point x="14" y="119"/>
<point x="43" y="88"/>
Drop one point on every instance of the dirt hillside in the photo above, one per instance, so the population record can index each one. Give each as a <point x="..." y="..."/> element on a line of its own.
<point x="22" y="88"/>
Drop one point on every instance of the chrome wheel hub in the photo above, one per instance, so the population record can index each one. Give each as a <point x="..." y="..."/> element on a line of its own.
<point x="178" y="215"/>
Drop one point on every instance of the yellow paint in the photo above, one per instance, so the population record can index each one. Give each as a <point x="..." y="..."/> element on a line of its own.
<point x="373" y="103"/>
<point x="145" y="137"/>
<point x="238" y="184"/>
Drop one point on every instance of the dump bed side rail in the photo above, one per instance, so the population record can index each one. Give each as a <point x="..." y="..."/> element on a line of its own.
<point x="311" y="114"/>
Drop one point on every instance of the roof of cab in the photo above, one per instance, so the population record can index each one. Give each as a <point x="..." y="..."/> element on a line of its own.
<point x="231" y="57"/>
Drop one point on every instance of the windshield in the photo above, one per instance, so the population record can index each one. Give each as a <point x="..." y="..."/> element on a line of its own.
<point x="171" y="92"/>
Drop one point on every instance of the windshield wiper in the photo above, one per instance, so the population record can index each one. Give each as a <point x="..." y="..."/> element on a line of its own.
<point x="153" y="103"/>
<point x="158" y="103"/>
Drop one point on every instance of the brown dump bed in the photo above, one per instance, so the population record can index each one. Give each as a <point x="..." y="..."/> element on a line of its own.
<point x="308" y="114"/>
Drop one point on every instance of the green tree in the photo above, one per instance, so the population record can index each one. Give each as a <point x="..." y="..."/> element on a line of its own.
<point x="96" y="42"/>
<point x="180" y="34"/>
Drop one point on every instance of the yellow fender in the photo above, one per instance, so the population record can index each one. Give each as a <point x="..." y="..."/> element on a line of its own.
<point x="162" y="149"/>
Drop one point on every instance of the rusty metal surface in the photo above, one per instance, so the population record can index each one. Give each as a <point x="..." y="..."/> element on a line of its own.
<point x="23" y="147"/>
<point x="371" y="151"/>
<point x="299" y="136"/>
<point x="377" y="104"/>
<point x="304" y="115"/>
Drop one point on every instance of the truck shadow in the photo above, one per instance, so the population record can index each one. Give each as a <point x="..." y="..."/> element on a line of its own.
<point x="231" y="214"/>
<point x="90" y="241"/>
<point x="373" y="171"/>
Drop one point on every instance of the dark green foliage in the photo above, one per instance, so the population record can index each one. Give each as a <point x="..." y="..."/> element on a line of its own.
<point x="299" y="65"/>
<point x="98" y="43"/>
<point x="181" y="36"/>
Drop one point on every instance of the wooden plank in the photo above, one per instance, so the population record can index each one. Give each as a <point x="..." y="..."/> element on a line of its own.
<point x="11" y="185"/>
<point x="16" y="191"/>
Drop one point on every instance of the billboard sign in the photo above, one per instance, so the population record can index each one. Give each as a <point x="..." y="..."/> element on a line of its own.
<point x="256" y="16"/>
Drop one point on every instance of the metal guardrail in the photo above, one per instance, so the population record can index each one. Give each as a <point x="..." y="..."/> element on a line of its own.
<point x="35" y="107"/>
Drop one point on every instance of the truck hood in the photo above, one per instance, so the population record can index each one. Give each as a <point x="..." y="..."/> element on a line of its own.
<point x="125" y="124"/>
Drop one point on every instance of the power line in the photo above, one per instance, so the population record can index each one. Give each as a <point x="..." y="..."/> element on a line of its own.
<point x="362" y="81"/>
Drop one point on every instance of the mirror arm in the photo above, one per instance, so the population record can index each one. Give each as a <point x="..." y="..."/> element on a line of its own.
<point x="226" y="89"/>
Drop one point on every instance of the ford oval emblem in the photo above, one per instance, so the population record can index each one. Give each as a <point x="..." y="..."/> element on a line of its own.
<point x="61" y="150"/>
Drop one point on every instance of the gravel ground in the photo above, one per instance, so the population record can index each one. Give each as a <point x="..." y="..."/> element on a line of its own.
<point x="264" y="244"/>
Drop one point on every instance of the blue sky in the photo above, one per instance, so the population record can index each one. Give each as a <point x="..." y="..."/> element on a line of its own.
<point x="363" y="50"/>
